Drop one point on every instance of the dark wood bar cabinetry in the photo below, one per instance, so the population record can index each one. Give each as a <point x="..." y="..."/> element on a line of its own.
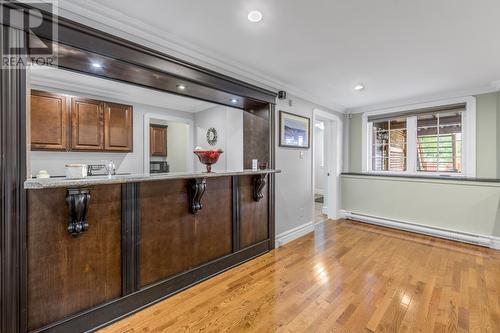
<point x="194" y="238"/>
<point x="78" y="256"/>
<point x="67" y="274"/>
<point x="140" y="236"/>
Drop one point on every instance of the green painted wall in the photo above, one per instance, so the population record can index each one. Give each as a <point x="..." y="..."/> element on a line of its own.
<point x="455" y="205"/>
<point x="498" y="136"/>
<point x="487" y="135"/>
<point x="355" y="139"/>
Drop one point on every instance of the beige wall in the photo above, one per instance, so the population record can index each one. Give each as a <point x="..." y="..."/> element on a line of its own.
<point x="456" y="205"/>
<point x="294" y="192"/>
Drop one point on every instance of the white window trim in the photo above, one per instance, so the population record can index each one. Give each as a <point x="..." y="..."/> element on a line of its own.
<point x="468" y="139"/>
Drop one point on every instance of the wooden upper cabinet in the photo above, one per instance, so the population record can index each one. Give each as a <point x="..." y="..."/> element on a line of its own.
<point x="118" y="127"/>
<point x="62" y="122"/>
<point x="87" y="129"/>
<point x="49" y="121"/>
<point x="158" y="140"/>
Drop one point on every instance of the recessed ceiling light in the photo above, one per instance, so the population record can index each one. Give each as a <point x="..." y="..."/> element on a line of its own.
<point x="234" y="100"/>
<point x="359" y="87"/>
<point x="96" y="65"/>
<point x="181" y="87"/>
<point x="255" y="16"/>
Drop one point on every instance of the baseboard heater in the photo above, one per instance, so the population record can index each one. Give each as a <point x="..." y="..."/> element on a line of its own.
<point x="426" y="230"/>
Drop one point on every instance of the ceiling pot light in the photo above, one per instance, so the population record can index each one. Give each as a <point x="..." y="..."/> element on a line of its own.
<point x="234" y="100"/>
<point x="181" y="87"/>
<point x="96" y="65"/>
<point x="359" y="87"/>
<point x="255" y="16"/>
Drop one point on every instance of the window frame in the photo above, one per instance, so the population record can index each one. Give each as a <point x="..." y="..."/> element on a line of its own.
<point x="370" y="147"/>
<point x="468" y="139"/>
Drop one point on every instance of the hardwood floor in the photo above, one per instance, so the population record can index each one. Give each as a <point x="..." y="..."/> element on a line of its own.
<point x="347" y="277"/>
<point x="318" y="213"/>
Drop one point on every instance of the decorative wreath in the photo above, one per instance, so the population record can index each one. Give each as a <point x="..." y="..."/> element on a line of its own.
<point x="212" y="136"/>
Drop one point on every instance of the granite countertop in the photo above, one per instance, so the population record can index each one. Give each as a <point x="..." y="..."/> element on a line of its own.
<point x="42" y="183"/>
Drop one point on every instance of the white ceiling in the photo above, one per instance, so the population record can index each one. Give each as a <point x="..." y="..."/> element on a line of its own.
<point x="320" y="49"/>
<point x="80" y="83"/>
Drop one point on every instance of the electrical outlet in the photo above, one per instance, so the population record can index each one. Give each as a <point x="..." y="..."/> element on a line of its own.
<point x="301" y="155"/>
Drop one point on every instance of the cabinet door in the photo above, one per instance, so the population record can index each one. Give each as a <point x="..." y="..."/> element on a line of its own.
<point x="118" y="128"/>
<point x="87" y="130"/>
<point x="158" y="140"/>
<point x="49" y="121"/>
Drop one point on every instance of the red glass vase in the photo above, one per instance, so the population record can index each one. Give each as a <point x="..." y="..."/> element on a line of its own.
<point x="208" y="157"/>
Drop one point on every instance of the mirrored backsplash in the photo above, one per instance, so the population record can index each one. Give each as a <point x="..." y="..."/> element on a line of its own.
<point x="82" y="119"/>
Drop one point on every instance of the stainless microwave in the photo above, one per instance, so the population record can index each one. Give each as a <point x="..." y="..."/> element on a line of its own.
<point x="158" y="167"/>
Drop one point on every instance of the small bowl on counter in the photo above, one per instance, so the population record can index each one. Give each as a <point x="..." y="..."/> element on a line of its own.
<point x="76" y="171"/>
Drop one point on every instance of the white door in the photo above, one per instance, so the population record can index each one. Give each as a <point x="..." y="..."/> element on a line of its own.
<point x="331" y="171"/>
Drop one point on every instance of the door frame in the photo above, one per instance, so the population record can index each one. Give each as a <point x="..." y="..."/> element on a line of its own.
<point x="147" y="121"/>
<point x="333" y="141"/>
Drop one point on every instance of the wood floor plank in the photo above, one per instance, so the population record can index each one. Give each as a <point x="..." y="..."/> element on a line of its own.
<point x="344" y="277"/>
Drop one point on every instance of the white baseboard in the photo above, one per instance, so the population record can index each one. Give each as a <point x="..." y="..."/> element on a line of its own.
<point x="495" y="243"/>
<point x="294" y="233"/>
<point x="477" y="239"/>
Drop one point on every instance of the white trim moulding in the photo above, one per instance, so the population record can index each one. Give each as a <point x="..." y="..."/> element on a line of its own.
<point x="464" y="237"/>
<point x="292" y="234"/>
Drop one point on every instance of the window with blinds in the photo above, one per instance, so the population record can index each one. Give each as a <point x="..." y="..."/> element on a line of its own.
<point x="439" y="142"/>
<point x="389" y="145"/>
<point x="425" y="140"/>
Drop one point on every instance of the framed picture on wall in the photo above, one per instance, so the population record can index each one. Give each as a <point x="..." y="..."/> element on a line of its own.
<point x="294" y="130"/>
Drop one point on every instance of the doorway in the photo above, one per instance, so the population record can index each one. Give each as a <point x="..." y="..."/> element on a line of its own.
<point x="178" y="159"/>
<point x="327" y="143"/>
<point x="320" y="176"/>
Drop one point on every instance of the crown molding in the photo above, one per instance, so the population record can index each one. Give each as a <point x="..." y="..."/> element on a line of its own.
<point x="493" y="87"/>
<point x="496" y="84"/>
<point x="122" y="25"/>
